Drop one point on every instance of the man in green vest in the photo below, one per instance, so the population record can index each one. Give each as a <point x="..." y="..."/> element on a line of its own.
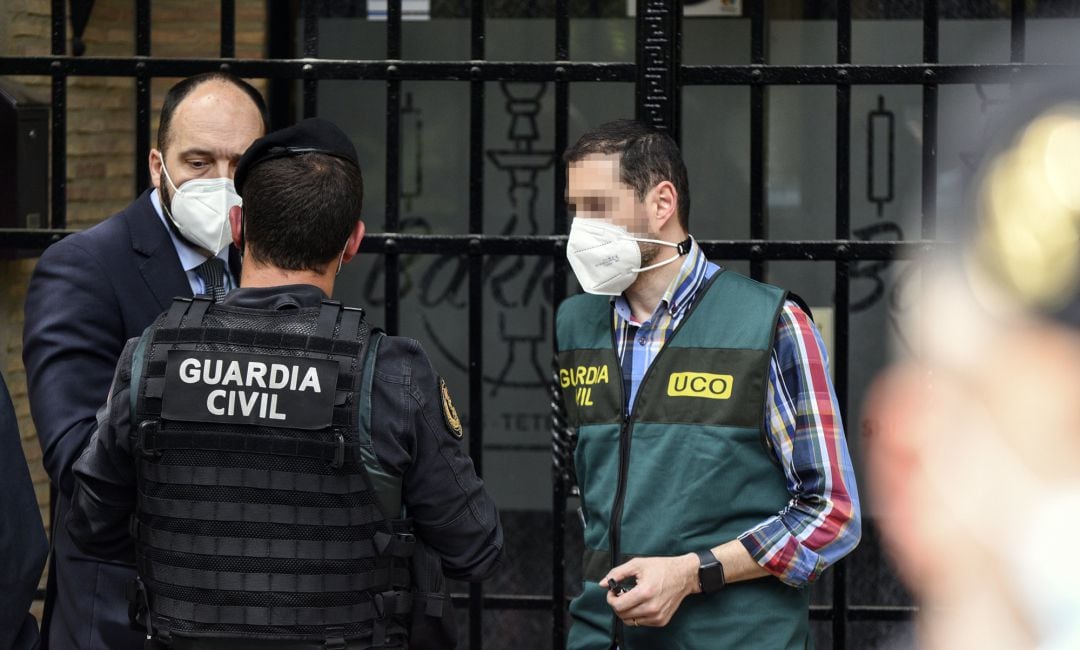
<point x="716" y="482"/>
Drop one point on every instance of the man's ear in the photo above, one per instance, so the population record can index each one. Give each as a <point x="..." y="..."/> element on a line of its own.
<point x="353" y="243"/>
<point x="155" y="168"/>
<point x="664" y="204"/>
<point x="236" y="222"/>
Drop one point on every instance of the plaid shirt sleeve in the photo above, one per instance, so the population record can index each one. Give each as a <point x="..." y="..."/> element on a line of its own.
<point x="821" y="523"/>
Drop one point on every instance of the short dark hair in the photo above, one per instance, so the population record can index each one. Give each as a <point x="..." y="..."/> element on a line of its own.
<point x="647" y="156"/>
<point x="299" y="210"/>
<point x="183" y="88"/>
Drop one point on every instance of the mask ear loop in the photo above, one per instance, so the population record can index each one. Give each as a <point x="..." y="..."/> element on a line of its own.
<point x="175" y="190"/>
<point x="165" y="169"/>
<point x="682" y="248"/>
<point x="341" y="259"/>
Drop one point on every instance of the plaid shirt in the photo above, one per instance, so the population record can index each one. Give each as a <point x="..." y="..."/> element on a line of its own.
<point x="821" y="522"/>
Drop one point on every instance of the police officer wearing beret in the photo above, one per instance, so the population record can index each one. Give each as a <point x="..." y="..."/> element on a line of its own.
<point x="283" y="474"/>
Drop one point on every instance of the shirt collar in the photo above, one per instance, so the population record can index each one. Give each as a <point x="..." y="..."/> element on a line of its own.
<point x="190" y="257"/>
<point x="680" y="291"/>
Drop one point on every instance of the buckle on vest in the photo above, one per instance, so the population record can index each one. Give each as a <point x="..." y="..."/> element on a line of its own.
<point x="398" y="544"/>
<point x="335" y="638"/>
<point x="139" y="604"/>
<point x="147" y="430"/>
<point x="339" y="453"/>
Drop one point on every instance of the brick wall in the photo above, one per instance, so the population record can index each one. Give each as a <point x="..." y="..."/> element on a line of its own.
<point x="100" y="138"/>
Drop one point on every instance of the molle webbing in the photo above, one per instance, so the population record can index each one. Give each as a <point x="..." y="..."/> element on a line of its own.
<point x="257" y="529"/>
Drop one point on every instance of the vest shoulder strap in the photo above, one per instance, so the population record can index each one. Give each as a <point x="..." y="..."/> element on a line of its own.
<point x="387" y="486"/>
<point x="584" y="321"/>
<point x="137" y="361"/>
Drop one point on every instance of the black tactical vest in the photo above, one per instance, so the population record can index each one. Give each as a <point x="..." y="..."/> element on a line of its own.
<point x="256" y="517"/>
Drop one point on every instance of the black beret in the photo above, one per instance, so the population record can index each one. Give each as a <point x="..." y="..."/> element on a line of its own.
<point x="313" y="135"/>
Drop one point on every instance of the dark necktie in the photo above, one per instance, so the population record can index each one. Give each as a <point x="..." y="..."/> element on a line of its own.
<point x="212" y="272"/>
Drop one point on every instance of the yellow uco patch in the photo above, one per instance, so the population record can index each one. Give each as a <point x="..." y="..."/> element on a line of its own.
<point x="700" y="384"/>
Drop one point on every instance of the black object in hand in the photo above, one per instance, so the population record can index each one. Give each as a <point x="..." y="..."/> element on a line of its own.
<point x="618" y="588"/>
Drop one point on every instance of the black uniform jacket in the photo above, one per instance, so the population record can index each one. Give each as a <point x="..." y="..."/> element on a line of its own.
<point x="452" y="513"/>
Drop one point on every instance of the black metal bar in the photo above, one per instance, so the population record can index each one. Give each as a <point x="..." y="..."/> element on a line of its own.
<point x="59" y="27"/>
<point x="228" y="29"/>
<point x="659" y="36"/>
<point x="929" y="120"/>
<point x="58" y="102"/>
<point x="759" y="228"/>
<point x="325" y="68"/>
<point x="280" y="45"/>
<point x="558" y="293"/>
<point x="393" y="166"/>
<point x="477" y="36"/>
<point x="914" y="74"/>
<point x="866" y="613"/>
<point x="549" y="245"/>
<point x="311" y="50"/>
<point x="142" y="28"/>
<point x="1017" y="32"/>
<point x="142" y="97"/>
<point x="842" y="314"/>
<point x="817" y="612"/>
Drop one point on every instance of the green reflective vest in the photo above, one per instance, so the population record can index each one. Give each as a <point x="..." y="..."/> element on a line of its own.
<point x="686" y="470"/>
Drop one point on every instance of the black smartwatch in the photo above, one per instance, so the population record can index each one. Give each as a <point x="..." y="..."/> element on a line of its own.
<point x="710" y="573"/>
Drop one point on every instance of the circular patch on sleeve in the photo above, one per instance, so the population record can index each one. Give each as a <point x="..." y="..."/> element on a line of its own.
<point x="453" y="422"/>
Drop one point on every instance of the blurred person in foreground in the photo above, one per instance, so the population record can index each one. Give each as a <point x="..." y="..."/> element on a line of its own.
<point x="974" y="451"/>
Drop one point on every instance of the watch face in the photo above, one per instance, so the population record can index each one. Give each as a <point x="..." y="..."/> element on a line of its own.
<point x="711" y="573"/>
<point x="712" y="578"/>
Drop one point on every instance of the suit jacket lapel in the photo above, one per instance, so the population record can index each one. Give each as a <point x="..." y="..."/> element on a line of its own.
<point x="160" y="267"/>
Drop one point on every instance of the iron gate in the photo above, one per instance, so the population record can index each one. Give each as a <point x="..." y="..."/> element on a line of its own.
<point x="659" y="76"/>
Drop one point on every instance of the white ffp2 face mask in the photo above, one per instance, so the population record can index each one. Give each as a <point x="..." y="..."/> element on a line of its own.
<point x="606" y="258"/>
<point x="200" y="210"/>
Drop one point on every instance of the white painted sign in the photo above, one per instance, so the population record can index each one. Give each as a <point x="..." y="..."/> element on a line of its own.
<point x="699" y="7"/>
<point x="410" y="9"/>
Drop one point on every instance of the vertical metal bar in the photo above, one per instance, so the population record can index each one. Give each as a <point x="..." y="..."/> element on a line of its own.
<point x="929" y="115"/>
<point x="758" y="225"/>
<point x="280" y="44"/>
<point x="478" y="36"/>
<point x="59" y="118"/>
<point x="311" y="50"/>
<point x="659" y="31"/>
<point x="843" y="297"/>
<point x="558" y="279"/>
<point x="142" y="97"/>
<point x="393" y="162"/>
<point x="1018" y="32"/>
<point x="228" y="29"/>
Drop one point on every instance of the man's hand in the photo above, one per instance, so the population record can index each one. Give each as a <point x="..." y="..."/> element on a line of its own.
<point x="662" y="583"/>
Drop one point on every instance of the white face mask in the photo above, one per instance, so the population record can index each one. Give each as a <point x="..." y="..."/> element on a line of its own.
<point x="606" y="258"/>
<point x="200" y="210"/>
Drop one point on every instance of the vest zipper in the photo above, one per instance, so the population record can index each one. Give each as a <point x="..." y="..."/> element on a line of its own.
<point x="625" y="431"/>
<point x="615" y="526"/>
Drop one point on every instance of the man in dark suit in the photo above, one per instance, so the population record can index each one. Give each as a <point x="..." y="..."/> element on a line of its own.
<point x="22" y="537"/>
<point x="94" y="290"/>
